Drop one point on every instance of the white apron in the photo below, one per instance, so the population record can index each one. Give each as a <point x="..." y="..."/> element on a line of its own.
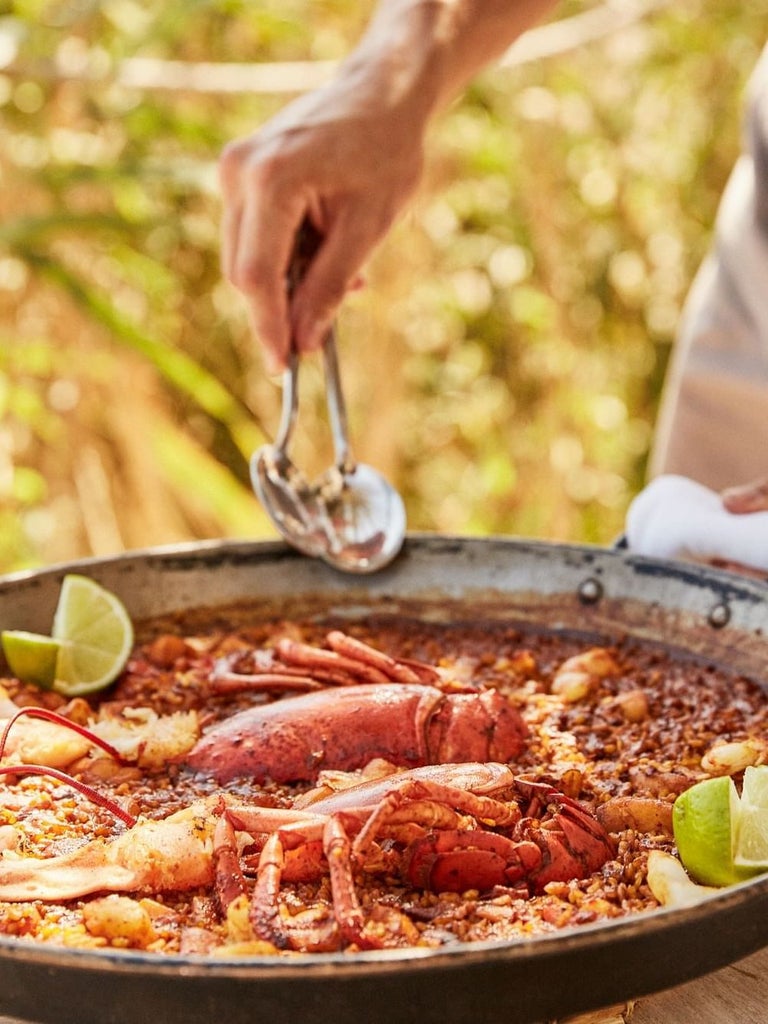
<point x="713" y="421"/>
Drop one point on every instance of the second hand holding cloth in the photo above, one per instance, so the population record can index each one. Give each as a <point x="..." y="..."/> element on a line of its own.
<point x="675" y="517"/>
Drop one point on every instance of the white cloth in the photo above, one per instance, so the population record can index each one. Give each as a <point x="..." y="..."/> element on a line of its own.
<point x="674" y="517"/>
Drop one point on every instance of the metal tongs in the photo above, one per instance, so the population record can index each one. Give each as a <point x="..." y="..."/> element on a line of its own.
<point x="351" y="516"/>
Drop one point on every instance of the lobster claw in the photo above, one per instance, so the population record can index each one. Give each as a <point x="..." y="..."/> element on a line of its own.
<point x="453" y="861"/>
<point x="573" y="844"/>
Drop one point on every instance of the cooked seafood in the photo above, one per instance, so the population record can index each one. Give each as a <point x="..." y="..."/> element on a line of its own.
<point x="252" y="789"/>
<point x="176" y="853"/>
<point x="396" y="710"/>
<point x="409" y="724"/>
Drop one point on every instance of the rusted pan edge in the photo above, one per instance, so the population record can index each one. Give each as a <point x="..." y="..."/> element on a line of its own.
<point x="593" y="590"/>
<point x="510" y="983"/>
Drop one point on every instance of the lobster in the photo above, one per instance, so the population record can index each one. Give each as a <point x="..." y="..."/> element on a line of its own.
<point x="457" y="827"/>
<point x="410" y="725"/>
<point x="446" y="828"/>
<point x="378" y="706"/>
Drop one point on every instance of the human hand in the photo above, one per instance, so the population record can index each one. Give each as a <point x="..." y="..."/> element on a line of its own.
<point x="347" y="157"/>
<point x="751" y="497"/>
<point x="675" y="517"/>
<point x="743" y="500"/>
<point x="340" y="157"/>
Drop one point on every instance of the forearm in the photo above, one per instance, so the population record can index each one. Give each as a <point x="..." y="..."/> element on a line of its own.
<point x="423" y="52"/>
<point x="349" y="155"/>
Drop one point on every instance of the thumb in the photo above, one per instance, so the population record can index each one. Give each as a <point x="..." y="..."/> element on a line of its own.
<point x="334" y="271"/>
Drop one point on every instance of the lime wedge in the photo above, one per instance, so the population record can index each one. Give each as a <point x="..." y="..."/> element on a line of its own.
<point x="754" y="789"/>
<point x="706" y="820"/>
<point x="95" y="635"/>
<point x="31" y="656"/>
<point x="752" y="840"/>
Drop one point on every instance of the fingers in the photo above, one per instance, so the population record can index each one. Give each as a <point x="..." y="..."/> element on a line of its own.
<point x="258" y="235"/>
<point x="231" y="194"/>
<point x="334" y="271"/>
<point x="751" y="497"/>
<point x="260" y="271"/>
<point x="744" y="570"/>
<point x="319" y="159"/>
<point x="257" y="242"/>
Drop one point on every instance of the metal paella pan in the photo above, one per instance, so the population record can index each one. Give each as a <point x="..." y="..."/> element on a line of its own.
<point x="595" y="592"/>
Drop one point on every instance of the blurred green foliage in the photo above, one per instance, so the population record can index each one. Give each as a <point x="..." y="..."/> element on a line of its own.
<point x="505" y="362"/>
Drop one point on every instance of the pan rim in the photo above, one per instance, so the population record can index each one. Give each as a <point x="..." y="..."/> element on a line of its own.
<point x="724" y="910"/>
<point x="300" y="964"/>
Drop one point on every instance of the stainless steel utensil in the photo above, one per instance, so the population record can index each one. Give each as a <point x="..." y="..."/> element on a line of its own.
<point x="351" y="516"/>
<point x="293" y="505"/>
<point x="364" y="515"/>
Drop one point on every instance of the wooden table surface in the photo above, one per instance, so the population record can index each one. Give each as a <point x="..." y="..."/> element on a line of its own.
<point x="734" y="995"/>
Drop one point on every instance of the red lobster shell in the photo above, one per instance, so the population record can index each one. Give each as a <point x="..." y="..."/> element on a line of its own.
<point x="410" y="725"/>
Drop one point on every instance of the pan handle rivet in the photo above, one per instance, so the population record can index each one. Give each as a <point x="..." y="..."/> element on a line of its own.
<point x="590" y="591"/>
<point x="719" y="616"/>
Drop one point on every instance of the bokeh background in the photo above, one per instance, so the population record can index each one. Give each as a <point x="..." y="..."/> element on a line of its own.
<point x="504" y="364"/>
